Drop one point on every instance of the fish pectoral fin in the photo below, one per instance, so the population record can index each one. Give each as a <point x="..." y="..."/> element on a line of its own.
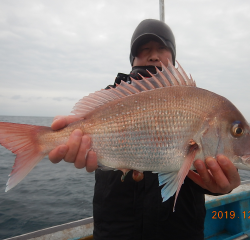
<point x="174" y="180"/>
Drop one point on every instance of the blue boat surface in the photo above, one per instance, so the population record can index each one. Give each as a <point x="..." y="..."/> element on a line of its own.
<point x="228" y="218"/>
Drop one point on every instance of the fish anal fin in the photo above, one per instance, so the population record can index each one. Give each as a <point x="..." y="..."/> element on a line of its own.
<point x="170" y="184"/>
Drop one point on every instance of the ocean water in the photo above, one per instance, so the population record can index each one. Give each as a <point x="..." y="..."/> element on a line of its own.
<point x="50" y="195"/>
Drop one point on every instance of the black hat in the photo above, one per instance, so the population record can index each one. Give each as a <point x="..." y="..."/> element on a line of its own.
<point x="151" y="29"/>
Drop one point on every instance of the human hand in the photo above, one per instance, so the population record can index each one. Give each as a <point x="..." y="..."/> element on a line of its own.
<point x="219" y="176"/>
<point x="76" y="149"/>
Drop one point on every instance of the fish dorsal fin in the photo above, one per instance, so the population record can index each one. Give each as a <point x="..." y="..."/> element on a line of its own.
<point x="169" y="76"/>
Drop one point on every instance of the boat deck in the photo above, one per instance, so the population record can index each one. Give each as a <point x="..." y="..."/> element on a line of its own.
<point x="228" y="216"/>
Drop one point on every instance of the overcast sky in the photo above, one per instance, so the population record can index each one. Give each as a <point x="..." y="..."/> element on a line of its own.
<point x="52" y="53"/>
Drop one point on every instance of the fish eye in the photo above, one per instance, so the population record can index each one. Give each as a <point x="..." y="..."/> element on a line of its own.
<point x="237" y="129"/>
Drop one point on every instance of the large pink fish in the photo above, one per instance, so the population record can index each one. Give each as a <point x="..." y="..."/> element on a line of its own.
<point x="160" y="124"/>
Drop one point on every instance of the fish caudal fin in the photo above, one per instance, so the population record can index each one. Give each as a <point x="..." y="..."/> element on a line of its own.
<point x="22" y="140"/>
<point x="174" y="180"/>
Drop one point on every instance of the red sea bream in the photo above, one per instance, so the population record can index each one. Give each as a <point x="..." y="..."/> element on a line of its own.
<point x="160" y="124"/>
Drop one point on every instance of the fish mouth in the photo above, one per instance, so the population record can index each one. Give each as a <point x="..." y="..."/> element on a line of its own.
<point x="245" y="159"/>
<point x="245" y="162"/>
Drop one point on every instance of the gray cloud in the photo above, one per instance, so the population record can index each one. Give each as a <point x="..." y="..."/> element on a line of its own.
<point x="16" y="97"/>
<point x="53" y="48"/>
<point x="64" y="99"/>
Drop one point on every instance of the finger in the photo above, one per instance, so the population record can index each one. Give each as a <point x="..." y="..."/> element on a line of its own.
<point x="72" y="118"/>
<point x="57" y="154"/>
<point x="220" y="179"/>
<point x="229" y="170"/>
<point x="73" y="143"/>
<point x="59" y="122"/>
<point x="62" y="121"/>
<point x="91" y="163"/>
<point x="207" y="180"/>
<point x="80" y="161"/>
<point x="196" y="178"/>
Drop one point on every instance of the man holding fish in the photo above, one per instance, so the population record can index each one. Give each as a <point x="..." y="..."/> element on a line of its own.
<point x="134" y="210"/>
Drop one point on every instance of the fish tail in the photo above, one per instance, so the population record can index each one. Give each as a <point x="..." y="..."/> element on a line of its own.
<point x="22" y="140"/>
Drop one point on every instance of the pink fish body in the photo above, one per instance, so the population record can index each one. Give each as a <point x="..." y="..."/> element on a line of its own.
<point x="160" y="124"/>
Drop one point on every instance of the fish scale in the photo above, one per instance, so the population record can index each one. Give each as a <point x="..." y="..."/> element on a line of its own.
<point x="131" y="134"/>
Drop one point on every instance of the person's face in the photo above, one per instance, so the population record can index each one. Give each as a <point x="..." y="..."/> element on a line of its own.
<point x="152" y="53"/>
